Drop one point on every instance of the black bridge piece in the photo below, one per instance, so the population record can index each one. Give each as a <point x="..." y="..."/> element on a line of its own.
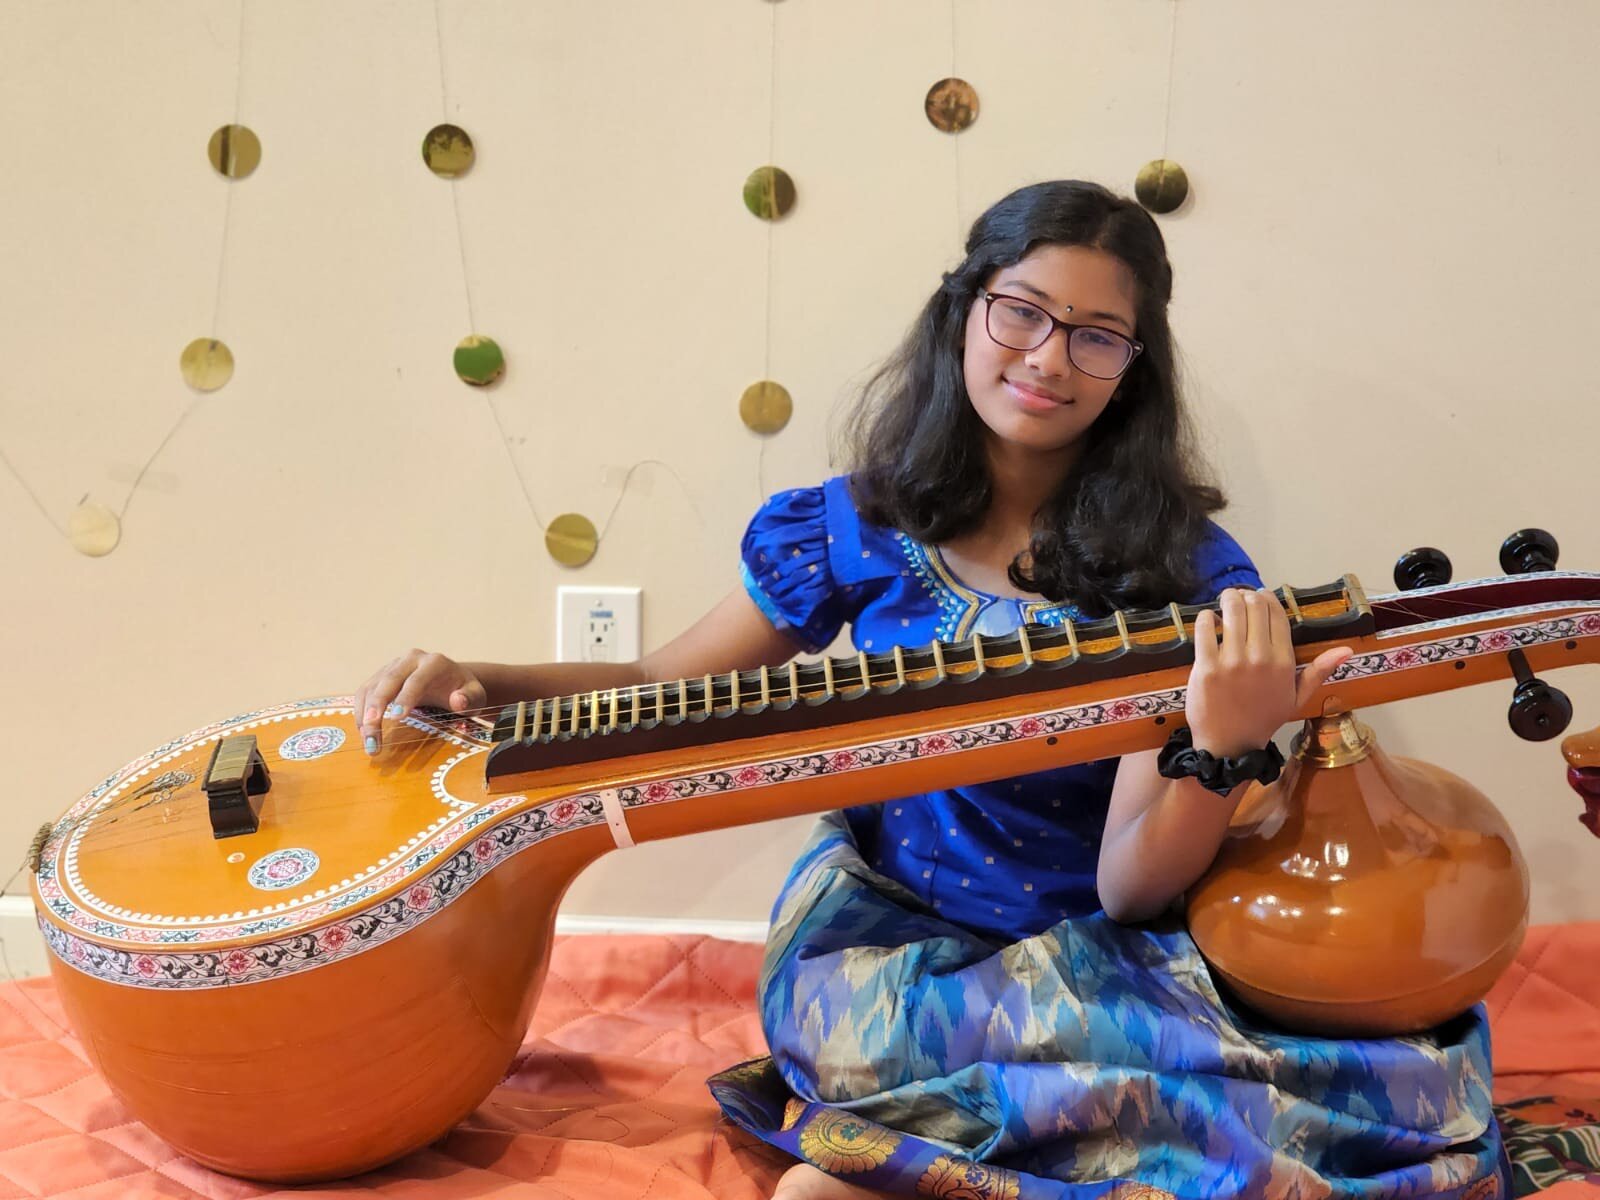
<point x="235" y="779"/>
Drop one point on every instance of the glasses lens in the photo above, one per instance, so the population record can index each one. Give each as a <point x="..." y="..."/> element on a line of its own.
<point x="1018" y="325"/>
<point x="1099" y="352"/>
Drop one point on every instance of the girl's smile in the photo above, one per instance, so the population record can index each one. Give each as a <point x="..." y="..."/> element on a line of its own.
<point x="1033" y="398"/>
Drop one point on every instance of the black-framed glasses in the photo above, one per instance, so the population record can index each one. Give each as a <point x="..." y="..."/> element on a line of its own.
<point x="1018" y="324"/>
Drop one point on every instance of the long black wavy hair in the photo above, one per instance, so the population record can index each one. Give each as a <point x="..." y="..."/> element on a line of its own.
<point x="1120" y="529"/>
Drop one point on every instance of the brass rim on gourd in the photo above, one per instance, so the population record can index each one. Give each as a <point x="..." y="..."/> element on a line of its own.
<point x="479" y="360"/>
<point x="234" y="151"/>
<point x="769" y="192"/>
<point x="206" y="364"/>
<point x="951" y="105"/>
<point x="765" y="407"/>
<point x="1339" y="740"/>
<point x="571" y="539"/>
<point x="448" y="151"/>
<point x="94" y="530"/>
<point x="1162" y="185"/>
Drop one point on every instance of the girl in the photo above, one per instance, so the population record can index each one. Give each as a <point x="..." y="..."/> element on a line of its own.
<point x="979" y="992"/>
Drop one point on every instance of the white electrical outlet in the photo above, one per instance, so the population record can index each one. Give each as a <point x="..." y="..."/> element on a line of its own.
<point x="597" y="624"/>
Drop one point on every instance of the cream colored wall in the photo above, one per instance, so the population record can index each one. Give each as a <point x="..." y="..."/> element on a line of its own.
<point x="1385" y="298"/>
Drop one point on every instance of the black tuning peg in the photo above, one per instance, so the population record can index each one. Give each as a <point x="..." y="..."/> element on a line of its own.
<point x="1422" y="567"/>
<point x="1538" y="712"/>
<point x="1528" y="550"/>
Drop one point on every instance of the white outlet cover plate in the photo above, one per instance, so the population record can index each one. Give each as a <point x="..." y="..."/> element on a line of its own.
<point x="574" y="605"/>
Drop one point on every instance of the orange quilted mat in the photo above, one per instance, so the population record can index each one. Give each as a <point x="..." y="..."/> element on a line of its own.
<point x="608" y="1099"/>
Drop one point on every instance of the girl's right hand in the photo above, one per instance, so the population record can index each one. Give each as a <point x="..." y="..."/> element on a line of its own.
<point x="415" y="678"/>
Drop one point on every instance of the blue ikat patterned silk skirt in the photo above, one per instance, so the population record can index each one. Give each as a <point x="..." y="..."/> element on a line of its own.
<point x="1091" y="1060"/>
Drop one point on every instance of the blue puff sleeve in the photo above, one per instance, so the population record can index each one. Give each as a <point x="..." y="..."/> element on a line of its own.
<point x="1221" y="563"/>
<point x="785" y="568"/>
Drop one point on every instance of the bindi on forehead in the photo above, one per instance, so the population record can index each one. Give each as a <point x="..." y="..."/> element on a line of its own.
<point x="1015" y="285"/>
<point x="1097" y="284"/>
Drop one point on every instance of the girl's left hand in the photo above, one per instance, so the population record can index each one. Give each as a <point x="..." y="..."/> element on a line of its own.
<point x="1243" y="690"/>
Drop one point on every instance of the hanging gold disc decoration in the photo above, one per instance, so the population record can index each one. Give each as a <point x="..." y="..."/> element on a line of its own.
<point x="571" y="539"/>
<point x="951" y="105"/>
<point x="769" y="192"/>
<point x="94" y="530"/>
<point x="1162" y="185"/>
<point x="448" y="151"/>
<point x="766" y="407"/>
<point x="206" y="364"/>
<point x="234" y="151"/>
<point x="479" y="360"/>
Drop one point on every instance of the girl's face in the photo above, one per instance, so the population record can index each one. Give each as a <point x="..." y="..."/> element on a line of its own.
<point x="1038" y="399"/>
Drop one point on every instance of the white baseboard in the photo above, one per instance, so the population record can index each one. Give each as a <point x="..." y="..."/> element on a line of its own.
<point x="20" y="942"/>
<point x="24" y="951"/>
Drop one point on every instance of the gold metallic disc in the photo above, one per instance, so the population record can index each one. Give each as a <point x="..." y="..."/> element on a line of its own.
<point x="1162" y="185"/>
<point x="235" y="151"/>
<point x="951" y="105"/>
<point x="448" y="151"/>
<point x="479" y="360"/>
<point x="571" y="539"/>
<point x="766" y="406"/>
<point x="206" y="364"/>
<point x="94" y="530"/>
<point x="769" y="192"/>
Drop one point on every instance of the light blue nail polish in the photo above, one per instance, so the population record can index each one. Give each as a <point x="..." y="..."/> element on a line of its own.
<point x="372" y="745"/>
<point x="394" y="710"/>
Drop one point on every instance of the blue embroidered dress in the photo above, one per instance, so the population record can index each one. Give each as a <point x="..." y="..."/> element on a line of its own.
<point x="950" y="1013"/>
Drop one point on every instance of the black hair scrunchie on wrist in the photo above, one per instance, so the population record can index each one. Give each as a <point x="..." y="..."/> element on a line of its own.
<point x="1180" y="760"/>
